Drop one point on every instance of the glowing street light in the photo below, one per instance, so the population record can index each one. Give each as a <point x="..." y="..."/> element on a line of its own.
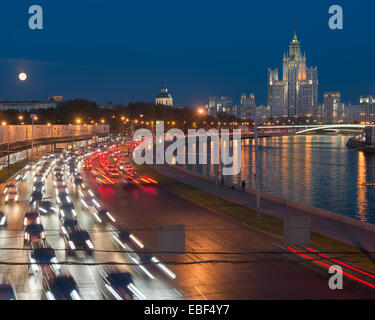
<point x="200" y="111"/>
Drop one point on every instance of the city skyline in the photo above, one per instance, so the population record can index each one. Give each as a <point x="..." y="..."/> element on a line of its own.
<point x="187" y="58"/>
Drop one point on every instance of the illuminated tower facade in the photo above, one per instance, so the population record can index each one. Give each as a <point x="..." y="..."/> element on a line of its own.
<point x="296" y="94"/>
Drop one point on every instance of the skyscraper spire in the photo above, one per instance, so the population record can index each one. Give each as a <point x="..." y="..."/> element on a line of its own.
<point x="295" y="32"/>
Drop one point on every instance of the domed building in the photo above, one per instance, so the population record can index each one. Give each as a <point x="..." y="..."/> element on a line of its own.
<point x="164" y="97"/>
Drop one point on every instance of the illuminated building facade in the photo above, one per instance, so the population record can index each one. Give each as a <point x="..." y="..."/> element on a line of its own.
<point x="333" y="108"/>
<point x="164" y="97"/>
<point x="297" y="93"/>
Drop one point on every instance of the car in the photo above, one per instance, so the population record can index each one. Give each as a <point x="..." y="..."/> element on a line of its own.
<point x="33" y="232"/>
<point x="22" y="176"/>
<point x="60" y="286"/>
<point x="77" y="182"/>
<point x="119" y="285"/>
<point x="58" y="184"/>
<point x="62" y="197"/>
<point x="78" y="239"/>
<point x="7" y="291"/>
<point x="47" y="207"/>
<point x="87" y="165"/>
<point x="39" y="186"/>
<point x="59" y="177"/>
<point x="67" y="211"/>
<point x="3" y="219"/>
<point x="128" y="182"/>
<point x="87" y="198"/>
<point x="61" y="188"/>
<point x="11" y="193"/>
<point x="39" y="177"/>
<point x="31" y="217"/>
<point x="36" y="197"/>
<point x="103" y="215"/>
<point x="68" y="226"/>
<point x="114" y="172"/>
<point x="40" y="255"/>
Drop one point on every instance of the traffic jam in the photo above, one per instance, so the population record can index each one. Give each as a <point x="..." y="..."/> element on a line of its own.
<point x="64" y="221"/>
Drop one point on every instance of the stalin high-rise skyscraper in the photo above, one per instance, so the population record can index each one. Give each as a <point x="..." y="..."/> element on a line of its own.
<point x="297" y="92"/>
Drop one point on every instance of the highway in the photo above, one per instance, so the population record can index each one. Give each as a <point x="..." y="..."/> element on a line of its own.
<point x="270" y="271"/>
<point x="267" y="276"/>
<point x="87" y="277"/>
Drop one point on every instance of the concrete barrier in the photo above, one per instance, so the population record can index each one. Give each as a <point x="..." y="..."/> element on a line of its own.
<point x="291" y="204"/>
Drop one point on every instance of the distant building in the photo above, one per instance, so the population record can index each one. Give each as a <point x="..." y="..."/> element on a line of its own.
<point x="164" y="97"/>
<point x="263" y="113"/>
<point x="26" y="105"/>
<point x="354" y="113"/>
<point x="219" y="104"/>
<point x="368" y="103"/>
<point x="247" y="107"/>
<point x="367" y="99"/>
<point x="297" y="93"/>
<point x="333" y="109"/>
<point x="55" y="98"/>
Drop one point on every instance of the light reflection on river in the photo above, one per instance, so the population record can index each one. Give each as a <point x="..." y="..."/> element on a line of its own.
<point x="318" y="170"/>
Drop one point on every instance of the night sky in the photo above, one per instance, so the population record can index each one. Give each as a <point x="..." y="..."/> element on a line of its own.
<point x="122" y="51"/>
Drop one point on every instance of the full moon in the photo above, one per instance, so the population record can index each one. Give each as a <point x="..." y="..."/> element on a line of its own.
<point x="22" y="76"/>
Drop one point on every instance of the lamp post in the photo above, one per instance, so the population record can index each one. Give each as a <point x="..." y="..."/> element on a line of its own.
<point x="33" y="117"/>
<point x="8" y="149"/>
<point x="218" y="172"/>
<point x="256" y="165"/>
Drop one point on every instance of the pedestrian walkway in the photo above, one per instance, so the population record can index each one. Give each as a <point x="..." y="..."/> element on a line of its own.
<point x="331" y="228"/>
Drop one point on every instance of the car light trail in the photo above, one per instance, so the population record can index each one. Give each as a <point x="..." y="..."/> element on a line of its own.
<point x="113" y="292"/>
<point x="75" y="296"/>
<point x="328" y="267"/>
<point x="110" y="217"/>
<point x="152" y="180"/>
<point x="163" y="267"/>
<point x="84" y="203"/>
<point x="50" y="296"/>
<point x="139" y="243"/>
<point x="136" y="291"/>
<point x="342" y="263"/>
<point x="97" y="218"/>
<point x="118" y="240"/>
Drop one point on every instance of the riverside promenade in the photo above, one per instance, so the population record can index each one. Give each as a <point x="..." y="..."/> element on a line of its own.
<point x="356" y="233"/>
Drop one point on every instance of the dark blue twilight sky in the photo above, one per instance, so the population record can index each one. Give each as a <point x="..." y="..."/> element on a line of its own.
<point x="122" y="51"/>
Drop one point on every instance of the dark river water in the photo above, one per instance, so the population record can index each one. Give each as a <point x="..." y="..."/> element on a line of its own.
<point x="318" y="170"/>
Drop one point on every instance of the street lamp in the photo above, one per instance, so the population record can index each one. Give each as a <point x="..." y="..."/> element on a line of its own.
<point x="33" y="117"/>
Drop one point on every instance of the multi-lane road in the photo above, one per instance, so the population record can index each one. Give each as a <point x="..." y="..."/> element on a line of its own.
<point x="265" y="269"/>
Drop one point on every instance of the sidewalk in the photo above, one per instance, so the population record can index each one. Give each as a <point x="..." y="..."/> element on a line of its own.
<point x="334" y="229"/>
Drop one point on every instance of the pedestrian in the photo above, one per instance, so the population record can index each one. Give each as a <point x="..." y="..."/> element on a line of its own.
<point x="243" y="183"/>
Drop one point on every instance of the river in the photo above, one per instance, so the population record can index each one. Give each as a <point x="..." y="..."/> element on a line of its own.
<point x="318" y="170"/>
